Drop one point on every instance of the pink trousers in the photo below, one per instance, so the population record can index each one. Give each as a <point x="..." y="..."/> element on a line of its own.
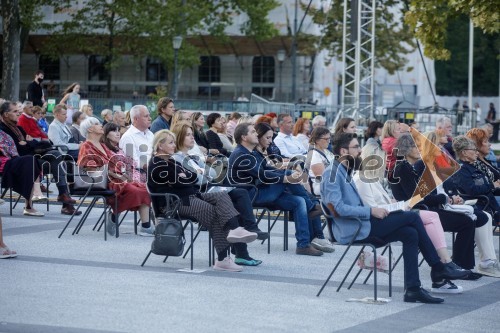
<point x="432" y="225"/>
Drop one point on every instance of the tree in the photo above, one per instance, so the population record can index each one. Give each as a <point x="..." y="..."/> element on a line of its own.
<point x="146" y="27"/>
<point x="393" y="39"/>
<point x="452" y="74"/>
<point x="19" y="18"/>
<point x="431" y="18"/>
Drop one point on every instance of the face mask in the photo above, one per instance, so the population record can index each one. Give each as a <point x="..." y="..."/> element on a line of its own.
<point x="40" y="80"/>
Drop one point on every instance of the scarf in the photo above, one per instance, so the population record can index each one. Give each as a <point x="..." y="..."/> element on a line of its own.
<point x="484" y="169"/>
<point x="15" y="130"/>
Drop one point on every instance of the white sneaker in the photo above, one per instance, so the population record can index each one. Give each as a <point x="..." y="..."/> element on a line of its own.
<point x="147" y="232"/>
<point x="39" y="198"/>
<point x="491" y="269"/>
<point x="323" y="245"/>
<point x="446" y="287"/>
<point x="227" y="265"/>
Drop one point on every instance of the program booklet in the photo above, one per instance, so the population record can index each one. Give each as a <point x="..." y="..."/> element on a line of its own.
<point x="395" y="206"/>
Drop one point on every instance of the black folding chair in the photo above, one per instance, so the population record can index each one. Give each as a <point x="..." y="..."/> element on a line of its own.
<point x="373" y="243"/>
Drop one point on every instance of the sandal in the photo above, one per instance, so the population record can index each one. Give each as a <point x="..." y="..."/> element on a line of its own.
<point x="6" y="253"/>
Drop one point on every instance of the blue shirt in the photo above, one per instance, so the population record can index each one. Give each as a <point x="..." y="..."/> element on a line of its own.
<point x="43" y="125"/>
<point x="159" y="123"/>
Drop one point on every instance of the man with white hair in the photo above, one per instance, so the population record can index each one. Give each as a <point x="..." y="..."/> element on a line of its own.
<point x="136" y="142"/>
<point x="444" y="123"/>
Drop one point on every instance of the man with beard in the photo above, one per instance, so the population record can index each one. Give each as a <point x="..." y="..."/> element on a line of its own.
<point x="340" y="194"/>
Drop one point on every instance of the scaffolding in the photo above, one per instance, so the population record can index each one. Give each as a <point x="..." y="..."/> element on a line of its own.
<point x="358" y="56"/>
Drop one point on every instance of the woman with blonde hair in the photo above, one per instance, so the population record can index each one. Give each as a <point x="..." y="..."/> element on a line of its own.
<point x="87" y="110"/>
<point x="390" y="134"/>
<point x="213" y="210"/>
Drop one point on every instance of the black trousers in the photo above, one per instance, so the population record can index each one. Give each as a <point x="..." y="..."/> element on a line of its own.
<point x="464" y="227"/>
<point x="242" y="203"/>
<point x="406" y="227"/>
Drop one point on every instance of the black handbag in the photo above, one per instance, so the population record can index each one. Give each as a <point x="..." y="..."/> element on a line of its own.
<point x="84" y="178"/>
<point x="169" y="238"/>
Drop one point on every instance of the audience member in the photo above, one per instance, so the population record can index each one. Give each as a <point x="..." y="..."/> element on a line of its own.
<point x="165" y="109"/>
<point x="130" y="194"/>
<point x="61" y="135"/>
<point x="87" y="110"/>
<point x="119" y="119"/>
<point x="231" y="124"/>
<point x="301" y="131"/>
<point x="5" y="252"/>
<point x="78" y="117"/>
<point x="341" y="194"/>
<point x="213" y="210"/>
<point x="289" y="145"/>
<point x="137" y="140"/>
<point x="30" y="125"/>
<point x="321" y="157"/>
<point x="318" y="121"/>
<point x="35" y="91"/>
<point x="106" y="116"/>
<point x="278" y="188"/>
<point x="214" y="122"/>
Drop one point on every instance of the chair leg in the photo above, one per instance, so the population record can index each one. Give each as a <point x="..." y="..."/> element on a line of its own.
<point x="192" y="245"/>
<point x="333" y="271"/>
<point x="190" y="248"/>
<point x="85" y="215"/>
<point x="146" y="259"/>
<point x="72" y="216"/>
<point x="390" y="270"/>
<point x="350" y="269"/>
<point x="375" y="273"/>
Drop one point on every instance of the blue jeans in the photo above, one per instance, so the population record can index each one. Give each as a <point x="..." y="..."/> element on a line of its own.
<point x="275" y="195"/>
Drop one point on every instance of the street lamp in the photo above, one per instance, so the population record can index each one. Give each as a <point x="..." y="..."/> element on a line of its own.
<point x="281" y="57"/>
<point x="177" y="41"/>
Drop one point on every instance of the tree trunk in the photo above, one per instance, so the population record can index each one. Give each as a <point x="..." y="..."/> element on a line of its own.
<point x="11" y="49"/>
<point x="109" y="58"/>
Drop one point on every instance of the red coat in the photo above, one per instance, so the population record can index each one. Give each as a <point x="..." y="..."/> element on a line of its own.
<point x="30" y="126"/>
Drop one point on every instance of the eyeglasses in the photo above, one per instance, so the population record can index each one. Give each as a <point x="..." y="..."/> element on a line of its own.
<point x="327" y="139"/>
<point x="355" y="147"/>
<point x="474" y="149"/>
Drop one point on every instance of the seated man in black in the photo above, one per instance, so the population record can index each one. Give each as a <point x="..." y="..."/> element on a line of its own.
<point x="26" y="145"/>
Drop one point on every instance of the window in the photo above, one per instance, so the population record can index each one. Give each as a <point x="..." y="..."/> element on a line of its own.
<point x="50" y="68"/>
<point x="155" y="71"/>
<point x="97" y="72"/>
<point x="209" y="71"/>
<point x="263" y="71"/>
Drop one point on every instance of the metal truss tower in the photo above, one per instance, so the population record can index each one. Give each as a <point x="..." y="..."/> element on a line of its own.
<point x="358" y="55"/>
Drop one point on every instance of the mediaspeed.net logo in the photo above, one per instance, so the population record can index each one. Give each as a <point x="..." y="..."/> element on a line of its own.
<point x="439" y="166"/>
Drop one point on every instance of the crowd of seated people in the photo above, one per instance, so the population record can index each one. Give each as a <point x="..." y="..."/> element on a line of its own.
<point x="177" y="154"/>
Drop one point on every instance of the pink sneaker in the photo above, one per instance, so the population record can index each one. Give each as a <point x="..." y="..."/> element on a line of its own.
<point x="240" y="235"/>
<point x="227" y="265"/>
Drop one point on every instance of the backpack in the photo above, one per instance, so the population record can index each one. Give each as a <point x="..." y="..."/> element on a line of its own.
<point x="169" y="238"/>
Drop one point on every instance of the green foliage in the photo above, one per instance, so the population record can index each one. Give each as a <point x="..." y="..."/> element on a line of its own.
<point x="452" y="75"/>
<point x="393" y="38"/>
<point x="430" y="20"/>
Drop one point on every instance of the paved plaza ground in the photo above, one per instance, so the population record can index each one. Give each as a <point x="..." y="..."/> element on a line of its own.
<point x="83" y="284"/>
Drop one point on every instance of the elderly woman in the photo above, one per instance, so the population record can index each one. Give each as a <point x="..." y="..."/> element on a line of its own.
<point x="213" y="210"/>
<point x="373" y="194"/>
<point x="483" y="145"/>
<point x="320" y="156"/>
<point x="214" y="122"/>
<point x="301" y="131"/>
<point x="470" y="180"/>
<point x="407" y="181"/>
<point x="130" y="194"/>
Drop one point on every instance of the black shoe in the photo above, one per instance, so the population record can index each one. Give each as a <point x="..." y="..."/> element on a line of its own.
<point x="472" y="276"/>
<point x="261" y="235"/>
<point x="452" y="264"/>
<point x="421" y="296"/>
<point x="448" y="273"/>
